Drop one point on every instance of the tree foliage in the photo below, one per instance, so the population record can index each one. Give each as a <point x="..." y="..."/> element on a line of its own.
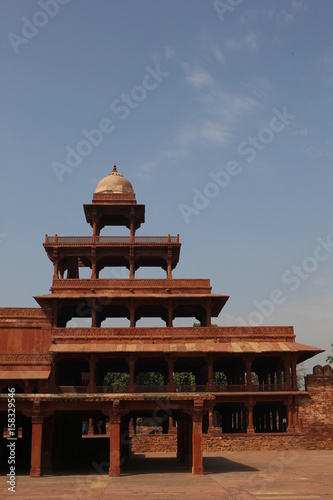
<point x="329" y="358"/>
<point x="184" y="378"/>
<point x="117" y="379"/>
<point x="219" y="378"/>
<point x="149" y="378"/>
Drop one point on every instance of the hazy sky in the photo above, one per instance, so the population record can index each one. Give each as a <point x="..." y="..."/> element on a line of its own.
<point x="219" y="113"/>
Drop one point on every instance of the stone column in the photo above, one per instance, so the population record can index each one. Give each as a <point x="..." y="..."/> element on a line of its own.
<point x="290" y="415"/>
<point x="250" y="428"/>
<point x="132" y="225"/>
<point x="93" y="316"/>
<point x="294" y="373"/>
<point x="92" y="364"/>
<point x="95" y="231"/>
<point x="55" y="266"/>
<point x="131" y="261"/>
<point x="132" y="314"/>
<point x="36" y="446"/>
<point x="287" y="372"/>
<point x="197" y="463"/>
<point x="169" y="261"/>
<point x="171" y="428"/>
<point x="91" y="427"/>
<point x="207" y="316"/>
<point x="210" y="365"/>
<point x="171" y="363"/>
<point x="115" y="420"/>
<point x="210" y="421"/>
<point x="93" y="263"/>
<point x="278" y="376"/>
<point x="170" y="314"/>
<point x="248" y="363"/>
<point x="131" y="365"/>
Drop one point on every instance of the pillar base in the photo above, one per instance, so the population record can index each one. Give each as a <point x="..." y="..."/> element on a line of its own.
<point x="35" y="473"/>
<point x="197" y="470"/>
<point x="114" y="472"/>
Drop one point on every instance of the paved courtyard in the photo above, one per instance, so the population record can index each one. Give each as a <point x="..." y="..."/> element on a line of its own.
<point x="265" y="475"/>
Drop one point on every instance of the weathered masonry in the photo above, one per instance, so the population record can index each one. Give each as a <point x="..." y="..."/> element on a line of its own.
<point x="81" y="389"/>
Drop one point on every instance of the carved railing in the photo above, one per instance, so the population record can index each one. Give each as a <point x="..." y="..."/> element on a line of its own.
<point x="269" y="387"/>
<point x="225" y="333"/>
<point x="112" y="388"/>
<point x="109" y="240"/>
<point x="123" y="389"/>
<point x="131" y="283"/>
<point x="150" y="388"/>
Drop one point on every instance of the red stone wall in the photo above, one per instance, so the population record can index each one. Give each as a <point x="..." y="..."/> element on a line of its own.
<point x="316" y="410"/>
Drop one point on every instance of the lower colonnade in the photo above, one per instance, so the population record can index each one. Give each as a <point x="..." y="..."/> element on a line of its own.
<point x="62" y="432"/>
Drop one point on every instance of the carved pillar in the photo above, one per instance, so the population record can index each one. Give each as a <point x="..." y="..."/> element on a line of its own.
<point x="295" y="413"/>
<point x="94" y="320"/>
<point x="278" y="376"/>
<point x="210" y="421"/>
<point x="132" y="313"/>
<point x="170" y="314"/>
<point x="93" y="263"/>
<point x="169" y="261"/>
<point x="95" y="224"/>
<point x="115" y="420"/>
<point x="287" y="372"/>
<point x="290" y="415"/>
<point x="36" y="445"/>
<point x="91" y="427"/>
<point x="131" y="366"/>
<point x="171" y="363"/>
<point x="210" y="365"/>
<point x="294" y="373"/>
<point x="131" y="262"/>
<point x="248" y="363"/>
<point x="250" y="427"/>
<point x="171" y="429"/>
<point x="197" y="463"/>
<point x="92" y="365"/>
<point x="208" y="318"/>
<point x="132" y="225"/>
<point x="55" y="263"/>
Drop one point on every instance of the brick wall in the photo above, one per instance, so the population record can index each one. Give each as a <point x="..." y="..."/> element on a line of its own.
<point x="316" y="410"/>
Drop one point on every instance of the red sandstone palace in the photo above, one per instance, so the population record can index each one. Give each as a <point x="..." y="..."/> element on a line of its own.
<point x="67" y="412"/>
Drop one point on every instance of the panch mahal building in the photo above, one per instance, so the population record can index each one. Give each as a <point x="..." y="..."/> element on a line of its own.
<point x="84" y="395"/>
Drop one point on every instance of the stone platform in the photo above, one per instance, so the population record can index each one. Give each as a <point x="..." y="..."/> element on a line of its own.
<point x="265" y="475"/>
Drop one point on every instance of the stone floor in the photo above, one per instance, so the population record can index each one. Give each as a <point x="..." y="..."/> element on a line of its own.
<point x="266" y="475"/>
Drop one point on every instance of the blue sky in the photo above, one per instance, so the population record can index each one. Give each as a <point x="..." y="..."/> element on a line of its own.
<point x="219" y="113"/>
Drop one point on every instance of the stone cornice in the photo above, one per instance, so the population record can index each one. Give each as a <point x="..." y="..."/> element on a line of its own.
<point x="19" y="359"/>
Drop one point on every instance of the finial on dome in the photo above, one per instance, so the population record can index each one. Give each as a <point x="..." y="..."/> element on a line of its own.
<point x="114" y="168"/>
